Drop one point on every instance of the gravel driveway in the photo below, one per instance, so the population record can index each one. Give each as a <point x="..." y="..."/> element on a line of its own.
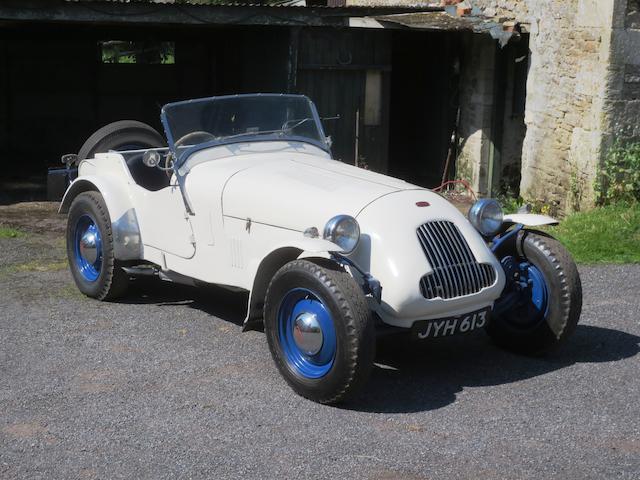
<point x="164" y="385"/>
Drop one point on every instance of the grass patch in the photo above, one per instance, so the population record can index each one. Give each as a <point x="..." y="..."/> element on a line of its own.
<point x="609" y="234"/>
<point x="41" y="266"/>
<point x="33" y="266"/>
<point x="6" y="232"/>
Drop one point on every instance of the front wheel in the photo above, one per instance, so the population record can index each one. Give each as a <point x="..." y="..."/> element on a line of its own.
<point x="541" y="303"/>
<point x="90" y="249"/>
<point x="319" y="330"/>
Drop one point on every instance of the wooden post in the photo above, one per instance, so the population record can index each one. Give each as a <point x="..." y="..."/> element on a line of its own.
<point x="292" y="64"/>
<point x="357" y="139"/>
<point x="5" y="96"/>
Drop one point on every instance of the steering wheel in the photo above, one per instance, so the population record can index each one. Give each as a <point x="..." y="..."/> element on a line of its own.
<point x="194" y="138"/>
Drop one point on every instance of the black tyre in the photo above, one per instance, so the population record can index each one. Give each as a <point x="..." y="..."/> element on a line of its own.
<point x="122" y="135"/>
<point x="541" y="304"/>
<point x="90" y="249"/>
<point x="320" y="331"/>
<point x="129" y="135"/>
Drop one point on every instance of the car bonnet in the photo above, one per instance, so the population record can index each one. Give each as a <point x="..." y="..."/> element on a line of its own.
<point x="302" y="191"/>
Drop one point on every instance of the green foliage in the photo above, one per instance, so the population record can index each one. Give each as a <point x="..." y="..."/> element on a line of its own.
<point x="609" y="234"/>
<point x="619" y="177"/>
<point x="6" y="232"/>
<point x="510" y="203"/>
<point x="578" y="187"/>
<point x="138" y="52"/>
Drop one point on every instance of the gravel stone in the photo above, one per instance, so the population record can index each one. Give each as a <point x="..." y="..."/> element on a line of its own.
<point x="164" y="384"/>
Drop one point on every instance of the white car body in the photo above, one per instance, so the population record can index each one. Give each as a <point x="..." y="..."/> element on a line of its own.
<point x="247" y="196"/>
<point x="251" y="205"/>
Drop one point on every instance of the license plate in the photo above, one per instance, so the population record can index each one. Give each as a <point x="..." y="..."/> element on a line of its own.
<point x="445" y="327"/>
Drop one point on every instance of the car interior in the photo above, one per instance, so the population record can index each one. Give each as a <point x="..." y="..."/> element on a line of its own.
<point x="149" y="178"/>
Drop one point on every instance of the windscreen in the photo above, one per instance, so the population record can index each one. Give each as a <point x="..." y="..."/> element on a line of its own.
<point x="240" y="118"/>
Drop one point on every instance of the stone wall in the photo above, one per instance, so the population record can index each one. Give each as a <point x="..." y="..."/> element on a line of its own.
<point x="490" y="147"/>
<point x="623" y="94"/>
<point x="566" y="96"/>
<point x="583" y="93"/>
<point x="506" y="9"/>
<point x="570" y="44"/>
<point x="476" y="110"/>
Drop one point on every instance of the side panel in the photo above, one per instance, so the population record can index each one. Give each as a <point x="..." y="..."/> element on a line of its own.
<point x="164" y="220"/>
<point x="238" y="251"/>
<point x="108" y="175"/>
<point x="228" y="250"/>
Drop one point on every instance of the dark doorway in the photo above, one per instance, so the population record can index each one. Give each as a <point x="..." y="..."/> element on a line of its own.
<point x="508" y="128"/>
<point x="56" y="88"/>
<point x="424" y="102"/>
<point x="395" y="92"/>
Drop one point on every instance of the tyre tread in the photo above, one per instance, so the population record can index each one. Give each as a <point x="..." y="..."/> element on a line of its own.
<point x="115" y="281"/>
<point x="114" y="129"/>
<point x="356" y="315"/>
<point x="567" y="272"/>
<point x="569" y="300"/>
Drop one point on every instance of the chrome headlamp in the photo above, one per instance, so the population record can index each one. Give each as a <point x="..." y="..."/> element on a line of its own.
<point x="344" y="231"/>
<point x="486" y="216"/>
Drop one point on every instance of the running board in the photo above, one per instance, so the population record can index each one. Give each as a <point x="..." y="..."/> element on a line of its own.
<point x="166" y="275"/>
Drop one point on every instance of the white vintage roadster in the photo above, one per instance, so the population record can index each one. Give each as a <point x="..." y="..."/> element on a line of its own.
<point x="246" y="195"/>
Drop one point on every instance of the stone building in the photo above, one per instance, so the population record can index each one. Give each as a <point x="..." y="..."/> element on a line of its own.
<point x="523" y="96"/>
<point x="582" y="93"/>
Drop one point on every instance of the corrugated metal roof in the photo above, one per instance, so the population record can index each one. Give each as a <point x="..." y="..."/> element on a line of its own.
<point x="432" y="21"/>
<point x="222" y="12"/>
<point x="189" y="2"/>
<point x="274" y="3"/>
<point x="446" y="21"/>
<point x="208" y="3"/>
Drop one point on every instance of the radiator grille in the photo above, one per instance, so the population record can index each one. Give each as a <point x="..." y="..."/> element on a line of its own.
<point x="455" y="270"/>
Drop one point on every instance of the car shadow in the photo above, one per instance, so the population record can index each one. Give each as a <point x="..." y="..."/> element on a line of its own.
<point x="410" y="378"/>
<point x="223" y="303"/>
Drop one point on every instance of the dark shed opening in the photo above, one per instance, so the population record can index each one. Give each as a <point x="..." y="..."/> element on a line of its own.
<point x="424" y="92"/>
<point x="395" y="90"/>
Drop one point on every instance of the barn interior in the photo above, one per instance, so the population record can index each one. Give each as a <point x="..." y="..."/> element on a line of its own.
<point x="395" y="91"/>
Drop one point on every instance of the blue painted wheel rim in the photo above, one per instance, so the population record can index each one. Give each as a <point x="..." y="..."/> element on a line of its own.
<point x="87" y="231"/>
<point x="297" y="302"/>
<point x="526" y="294"/>
<point x="539" y="292"/>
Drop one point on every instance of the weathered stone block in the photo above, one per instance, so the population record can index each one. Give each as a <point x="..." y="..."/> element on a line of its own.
<point x="632" y="14"/>
<point x="631" y="85"/>
<point x="587" y="82"/>
<point x="594" y="13"/>
<point x="626" y="45"/>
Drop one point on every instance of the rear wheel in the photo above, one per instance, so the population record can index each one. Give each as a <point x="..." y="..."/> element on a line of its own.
<point x="90" y="249"/>
<point x="319" y="330"/>
<point x="121" y="135"/>
<point x="542" y="300"/>
<point x="129" y="135"/>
